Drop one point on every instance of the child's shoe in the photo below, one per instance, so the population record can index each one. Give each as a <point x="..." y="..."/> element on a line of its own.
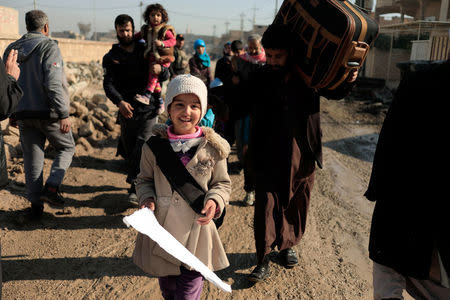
<point x="144" y="98"/>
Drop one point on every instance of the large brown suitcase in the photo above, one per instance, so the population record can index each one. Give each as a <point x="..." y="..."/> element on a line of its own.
<point x="331" y="38"/>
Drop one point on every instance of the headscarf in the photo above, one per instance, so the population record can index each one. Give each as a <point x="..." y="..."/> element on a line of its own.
<point x="259" y="58"/>
<point x="204" y="58"/>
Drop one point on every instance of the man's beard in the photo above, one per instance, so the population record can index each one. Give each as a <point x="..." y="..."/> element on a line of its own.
<point x="125" y="41"/>
<point x="277" y="68"/>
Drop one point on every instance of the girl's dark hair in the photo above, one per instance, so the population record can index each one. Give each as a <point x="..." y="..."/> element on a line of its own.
<point x="277" y="36"/>
<point x="157" y="7"/>
<point x="123" y="20"/>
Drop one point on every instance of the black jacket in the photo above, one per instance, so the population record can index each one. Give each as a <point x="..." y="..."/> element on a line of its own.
<point x="10" y="94"/>
<point x="411" y="210"/>
<point x="223" y="69"/>
<point x="126" y="74"/>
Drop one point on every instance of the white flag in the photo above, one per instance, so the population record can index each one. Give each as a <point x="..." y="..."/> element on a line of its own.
<point x="145" y="222"/>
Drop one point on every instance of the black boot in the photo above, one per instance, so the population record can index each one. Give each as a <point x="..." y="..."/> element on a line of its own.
<point x="260" y="272"/>
<point x="30" y="215"/>
<point x="288" y="258"/>
<point x="52" y="195"/>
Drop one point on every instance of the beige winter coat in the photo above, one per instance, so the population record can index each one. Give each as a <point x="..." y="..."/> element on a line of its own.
<point x="209" y="168"/>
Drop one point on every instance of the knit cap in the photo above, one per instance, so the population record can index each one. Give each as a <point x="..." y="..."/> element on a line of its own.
<point x="187" y="84"/>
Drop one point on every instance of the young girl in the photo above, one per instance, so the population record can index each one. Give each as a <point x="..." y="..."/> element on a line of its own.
<point x="203" y="152"/>
<point x="160" y="39"/>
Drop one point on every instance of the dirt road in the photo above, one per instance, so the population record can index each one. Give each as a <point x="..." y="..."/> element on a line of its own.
<point x="87" y="254"/>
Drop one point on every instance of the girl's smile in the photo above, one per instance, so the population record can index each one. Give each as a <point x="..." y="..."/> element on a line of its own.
<point x="185" y="111"/>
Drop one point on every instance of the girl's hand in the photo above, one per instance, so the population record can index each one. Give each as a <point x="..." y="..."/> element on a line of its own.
<point x="209" y="210"/>
<point x="158" y="43"/>
<point x="155" y="69"/>
<point x="149" y="202"/>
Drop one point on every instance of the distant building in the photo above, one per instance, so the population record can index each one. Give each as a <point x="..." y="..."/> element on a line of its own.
<point x="104" y="36"/>
<point x="420" y="31"/>
<point x="67" y="34"/>
<point x="237" y="35"/>
<point x="431" y="10"/>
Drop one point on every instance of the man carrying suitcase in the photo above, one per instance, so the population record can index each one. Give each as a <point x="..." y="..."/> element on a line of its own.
<point x="285" y="144"/>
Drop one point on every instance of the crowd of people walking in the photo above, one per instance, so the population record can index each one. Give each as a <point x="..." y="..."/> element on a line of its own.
<point x="255" y="100"/>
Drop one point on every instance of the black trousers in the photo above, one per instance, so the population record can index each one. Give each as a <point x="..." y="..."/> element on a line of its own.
<point x="134" y="133"/>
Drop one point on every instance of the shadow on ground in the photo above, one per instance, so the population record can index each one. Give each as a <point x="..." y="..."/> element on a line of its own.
<point x="361" y="147"/>
<point x="238" y="262"/>
<point x="70" y="268"/>
<point x="14" y="220"/>
<point x="89" y="162"/>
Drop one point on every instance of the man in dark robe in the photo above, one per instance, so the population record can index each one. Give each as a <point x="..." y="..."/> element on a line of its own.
<point x="410" y="236"/>
<point x="285" y="145"/>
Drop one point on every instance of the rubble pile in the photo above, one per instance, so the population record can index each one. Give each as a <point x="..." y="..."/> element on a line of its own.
<point x="92" y="115"/>
<point x="93" y="122"/>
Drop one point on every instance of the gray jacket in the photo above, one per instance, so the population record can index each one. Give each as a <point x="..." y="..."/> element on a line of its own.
<point x="42" y="78"/>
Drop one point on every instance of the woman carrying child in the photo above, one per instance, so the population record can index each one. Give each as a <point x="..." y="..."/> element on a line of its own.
<point x="203" y="154"/>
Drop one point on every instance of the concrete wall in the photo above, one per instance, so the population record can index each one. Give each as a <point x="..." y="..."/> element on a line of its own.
<point x="9" y="21"/>
<point x="83" y="51"/>
<point x="71" y="50"/>
<point x="377" y="65"/>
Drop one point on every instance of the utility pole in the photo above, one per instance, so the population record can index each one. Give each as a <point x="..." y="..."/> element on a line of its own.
<point x="34" y="2"/>
<point x="242" y="26"/>
<point x="254" y="17"/>
<point x="226" y="27"/>
<point x="140" y="16"/>
<point x="95" y="26"/>
<point x="276" y="9"/>
<point x="214" y="30"/>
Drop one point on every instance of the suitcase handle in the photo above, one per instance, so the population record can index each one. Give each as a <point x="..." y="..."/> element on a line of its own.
<point x="353" y="64"/>
<point x="357" y="54"/>
<point x="354" y="58"/>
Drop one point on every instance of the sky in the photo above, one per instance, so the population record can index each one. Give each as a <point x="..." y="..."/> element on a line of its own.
<point x="198" y="16"/>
